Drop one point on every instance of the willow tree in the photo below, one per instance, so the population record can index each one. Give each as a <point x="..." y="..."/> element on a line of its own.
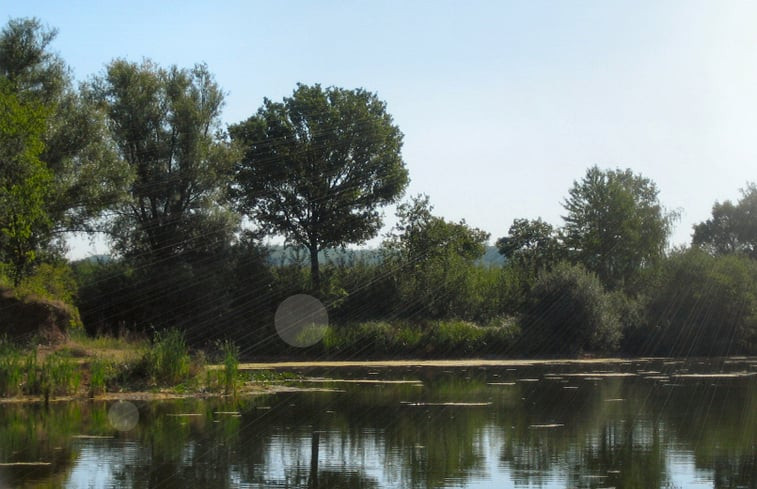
<point x="87" y="178"/>
<point x="166" y="126"/>
<point x="318" y="166"/>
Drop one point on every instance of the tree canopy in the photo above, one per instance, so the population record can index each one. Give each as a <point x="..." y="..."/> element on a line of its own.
<point x="318" y="166"/>
<point x="74" y="150"/>
<point x="165" y="124"/>
<point x="531" y="244"/>
<point x="732" y="229"/>
<point x="615" y="224"/>
<point x="25" y="182"/>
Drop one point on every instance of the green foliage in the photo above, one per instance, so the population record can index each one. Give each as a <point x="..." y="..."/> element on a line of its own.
<point x="230" y="353"/>
<point x="701" y="305"/>
<point x="732" y="228"/>
<point x="318" y="165"/>
<point x="615" y="224"/>
<point x="431" y="260"/>
<point x="25" y="183"/>
<point x="436" y="339"/>
<point x="11" y="368"/>
<point x="569" y="312"/>
<point x="86" y="176"/>
<point x="165" y="124"/>
<point x="53" y="281"/>
<point x="59" y="375"/>
<point x="167" y="362"/>
<point x="19" y="373"/>
<point x="532" y="245"/>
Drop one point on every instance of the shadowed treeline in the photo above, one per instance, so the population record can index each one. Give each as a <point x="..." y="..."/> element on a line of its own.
<point x="138" y="153"/>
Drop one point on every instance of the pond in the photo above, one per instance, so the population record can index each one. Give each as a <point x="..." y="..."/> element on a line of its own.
<point x="635" y="424"/>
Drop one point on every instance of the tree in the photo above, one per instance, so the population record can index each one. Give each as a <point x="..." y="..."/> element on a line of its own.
<point x="166" y="126"/>
<point x="432" y="260"/>
<point x="531" y="244"/>
<point x="732" y="228"/>
<point x="701" y="305"/>
<point x="25" y="183"/>
<point x="87" y="177"/>
<point x="615" y="224"/>
<point x="318" y="166"/>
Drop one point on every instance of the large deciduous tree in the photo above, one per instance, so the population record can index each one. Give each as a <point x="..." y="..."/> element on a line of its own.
<point x="615" y="224"/>
<point x="318" y="166"/>
<point x="87" y="177"/>
<point x="25" y="183"/>
<point x="166" y="126"/>
<point x="732" y="228"/>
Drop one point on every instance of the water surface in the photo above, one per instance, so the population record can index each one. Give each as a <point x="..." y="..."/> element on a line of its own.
<point x="654" y="424"/>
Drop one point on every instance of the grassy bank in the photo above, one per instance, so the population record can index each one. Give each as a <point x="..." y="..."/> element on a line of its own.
<point x="84" y="367"/>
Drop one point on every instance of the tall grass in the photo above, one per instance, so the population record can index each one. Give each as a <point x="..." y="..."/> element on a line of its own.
<point x="167" y="361"/>
<point x="59" y="376"/>
<point x="99" y="374"/>
<point x="11" y="369"/>
<point x="454" y="338"/>
<point x="23" y="374"/>
<point x="230" y="353"/>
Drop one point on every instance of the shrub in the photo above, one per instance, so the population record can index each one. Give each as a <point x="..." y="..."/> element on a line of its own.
<point x="569" y="312"/>
<point x="702" y="305"/>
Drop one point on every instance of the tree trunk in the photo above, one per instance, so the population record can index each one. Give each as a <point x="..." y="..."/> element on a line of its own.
<point x="315" y="275"/>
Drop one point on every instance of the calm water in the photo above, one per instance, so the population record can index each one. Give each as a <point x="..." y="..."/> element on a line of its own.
<point x="557" y="426"/>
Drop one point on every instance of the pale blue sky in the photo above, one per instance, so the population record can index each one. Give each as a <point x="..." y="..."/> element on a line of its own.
<point x="503" y="104"/>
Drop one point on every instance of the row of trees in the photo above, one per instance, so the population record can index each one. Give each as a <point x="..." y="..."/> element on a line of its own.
<point x="139" y="153"/>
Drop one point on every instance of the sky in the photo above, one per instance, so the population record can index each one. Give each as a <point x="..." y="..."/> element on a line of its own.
<point x="503" y="105"/>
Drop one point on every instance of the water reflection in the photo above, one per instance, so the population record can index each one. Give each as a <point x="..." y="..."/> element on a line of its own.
<point x="546" y="426"/>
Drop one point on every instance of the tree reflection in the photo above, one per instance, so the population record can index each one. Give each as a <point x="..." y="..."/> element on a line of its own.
<point x="607" y="431"/>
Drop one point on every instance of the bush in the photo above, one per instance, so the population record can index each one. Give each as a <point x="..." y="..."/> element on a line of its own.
<point x="702" y="305"/>
<point x="569" y="312"/>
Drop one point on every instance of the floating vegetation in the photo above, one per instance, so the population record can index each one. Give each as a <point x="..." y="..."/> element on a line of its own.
<point x="361" y="381"/>
<point x="456" y="404"/>
<point x="600" y="374"/>
<point x="25" y="464"/>
<point x="729" y="375"/>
